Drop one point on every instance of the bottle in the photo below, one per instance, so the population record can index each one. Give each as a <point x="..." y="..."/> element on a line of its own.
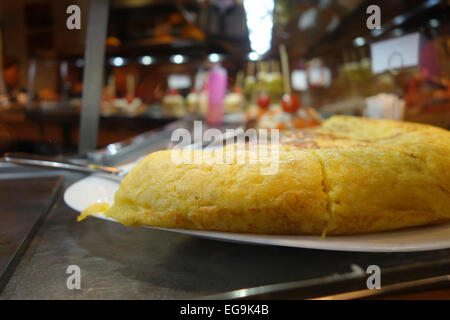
<point x="217" y="85"/>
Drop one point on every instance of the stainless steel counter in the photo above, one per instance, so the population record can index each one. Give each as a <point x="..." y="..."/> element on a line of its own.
<point x="120" y="262"/>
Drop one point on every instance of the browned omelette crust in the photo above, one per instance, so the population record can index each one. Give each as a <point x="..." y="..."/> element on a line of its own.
<point x="379" y="174"/>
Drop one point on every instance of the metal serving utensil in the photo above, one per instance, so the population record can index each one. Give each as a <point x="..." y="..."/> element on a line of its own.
<point x="56" y="163"/>
<point x="110" y="151"/>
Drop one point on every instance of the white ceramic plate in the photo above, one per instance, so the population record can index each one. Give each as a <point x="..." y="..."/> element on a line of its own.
<point x="96" y="189"/>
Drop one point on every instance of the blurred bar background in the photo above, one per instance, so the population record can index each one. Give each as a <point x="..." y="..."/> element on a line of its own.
<point x="158" y="55"/>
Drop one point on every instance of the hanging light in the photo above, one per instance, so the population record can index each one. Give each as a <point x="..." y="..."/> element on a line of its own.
<point x="177" y="58"/>
<point x="259" y="24"/>
<point x="146" y="60"/>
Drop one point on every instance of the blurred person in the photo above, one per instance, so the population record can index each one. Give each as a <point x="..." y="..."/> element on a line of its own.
<point x="13" y="77"/>
<point x="11" y="73"/>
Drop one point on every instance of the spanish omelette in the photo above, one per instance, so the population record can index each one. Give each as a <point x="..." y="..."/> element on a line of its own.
<point x="350" y="175"/>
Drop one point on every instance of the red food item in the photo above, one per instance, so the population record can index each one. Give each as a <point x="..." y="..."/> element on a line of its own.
<point x="314" y="122"/>
<point x="290" y="103"/>
<point x="172" y="91"/>
<point x="300" y="123"/>
<point x="263" y="101"/>
<point x="237" y="90"/>
<point x="130" y="98"/>
<point x="281" y="126"/>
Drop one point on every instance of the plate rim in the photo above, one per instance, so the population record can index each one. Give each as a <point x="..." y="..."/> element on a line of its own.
<point x="247" y="238"/>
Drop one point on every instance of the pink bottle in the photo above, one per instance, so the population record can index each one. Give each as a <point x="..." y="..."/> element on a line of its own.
<point x="217" y="86"/>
